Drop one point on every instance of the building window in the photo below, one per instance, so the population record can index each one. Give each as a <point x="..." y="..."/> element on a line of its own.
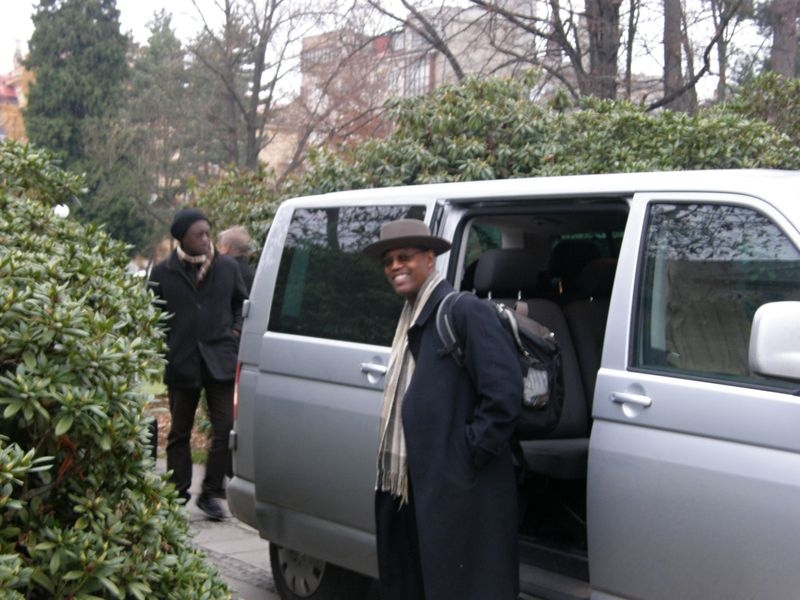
<point x="418" y="77"/>
<point x="321" y="55"/>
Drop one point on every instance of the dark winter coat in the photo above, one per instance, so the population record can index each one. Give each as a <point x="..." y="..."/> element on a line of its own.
<point x="205" y="320"/>
<point x="247" y="271"/>
<point x="457" y="423"/>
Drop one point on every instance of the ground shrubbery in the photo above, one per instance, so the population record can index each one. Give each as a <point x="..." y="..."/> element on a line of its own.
<point x="82" y="512"/>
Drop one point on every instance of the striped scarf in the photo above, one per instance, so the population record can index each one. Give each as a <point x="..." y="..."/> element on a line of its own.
<point x="392" y="465"/>
<point x="204" y="260"/>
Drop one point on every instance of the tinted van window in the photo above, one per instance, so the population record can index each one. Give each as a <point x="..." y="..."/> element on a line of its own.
<point x="706" y="269"/>
<point x="326" y="288"/>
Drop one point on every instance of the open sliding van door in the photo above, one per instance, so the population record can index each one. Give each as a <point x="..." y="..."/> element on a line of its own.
<point x="314" y="352"/>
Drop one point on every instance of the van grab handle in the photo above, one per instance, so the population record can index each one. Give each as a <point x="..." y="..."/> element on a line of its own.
<point x="626" y="398"/>
<point x="373" y="368"/>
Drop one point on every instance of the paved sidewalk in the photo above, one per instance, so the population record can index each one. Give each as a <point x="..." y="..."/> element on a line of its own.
<point x="235" y="549"/>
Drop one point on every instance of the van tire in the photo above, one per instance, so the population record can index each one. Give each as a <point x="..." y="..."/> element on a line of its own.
<point x="301" y="577"/>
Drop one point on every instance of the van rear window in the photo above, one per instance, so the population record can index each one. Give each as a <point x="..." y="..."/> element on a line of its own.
<point x="326" y="288"/>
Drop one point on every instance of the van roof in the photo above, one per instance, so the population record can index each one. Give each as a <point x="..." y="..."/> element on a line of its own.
<point x="780" y="188"/>
<point x="745" y="181"/>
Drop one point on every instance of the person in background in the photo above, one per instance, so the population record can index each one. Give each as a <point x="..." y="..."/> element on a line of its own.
<point x="202" y="292"/>
<point x="445" y="500"/>
<point x="235" y="242"/>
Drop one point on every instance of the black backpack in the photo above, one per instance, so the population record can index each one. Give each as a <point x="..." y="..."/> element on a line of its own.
<point x="539" y="357"/>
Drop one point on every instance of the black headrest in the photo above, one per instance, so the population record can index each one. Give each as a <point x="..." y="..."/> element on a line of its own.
<point x="506" y="273"/>
<point x="570" y="256"/>
<point x="596" y="279"/>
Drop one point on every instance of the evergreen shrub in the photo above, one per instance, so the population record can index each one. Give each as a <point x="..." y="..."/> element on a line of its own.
<point x="492" y="129"/>
<point x="83" y="514"/>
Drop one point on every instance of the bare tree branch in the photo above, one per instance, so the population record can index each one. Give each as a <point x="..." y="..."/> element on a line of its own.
<point x="723" y="23"/>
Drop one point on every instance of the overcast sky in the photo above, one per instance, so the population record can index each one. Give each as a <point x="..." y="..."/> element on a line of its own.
<point x="16" y="26"/>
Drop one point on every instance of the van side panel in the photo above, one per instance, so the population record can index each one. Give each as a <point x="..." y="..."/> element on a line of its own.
<point x="691" y="517"/>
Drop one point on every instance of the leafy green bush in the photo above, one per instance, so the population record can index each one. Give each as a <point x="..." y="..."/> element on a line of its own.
<point x="490" y="128"/>
<point x="82" y="512"/>
<point x="771" y="98"/>
<point x="239" y="197"/>
<point x="24" y="170"/>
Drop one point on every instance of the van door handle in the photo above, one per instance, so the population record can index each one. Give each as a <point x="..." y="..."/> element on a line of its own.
<point x="374" y="372"/>
<point x="627" y="398"/>
<point x="373" y="369"/>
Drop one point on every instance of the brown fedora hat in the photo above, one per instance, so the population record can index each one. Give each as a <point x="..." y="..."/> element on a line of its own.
<point x="405" y="233"/>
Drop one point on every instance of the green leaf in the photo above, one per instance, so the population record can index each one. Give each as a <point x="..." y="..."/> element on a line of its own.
<point x="55" y="562"/>
<point x="63" y="425"/>
<point x="44" y="546"/>
<point x="30" y="360"/>
<point x="39" y="577"/>
<point x="12" y="409"/>
<point x="74" y="575"/>
<point x="110" y="586"/>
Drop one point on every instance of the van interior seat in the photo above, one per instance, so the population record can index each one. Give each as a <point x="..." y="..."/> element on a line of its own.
<point x="508" y="273"/>
<point x="567" y="260"/>
<point x="507" y="276"/>
<point x="587" y="316"/>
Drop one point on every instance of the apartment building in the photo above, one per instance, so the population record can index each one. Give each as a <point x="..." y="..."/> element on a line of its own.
<point x="347" y="76"/>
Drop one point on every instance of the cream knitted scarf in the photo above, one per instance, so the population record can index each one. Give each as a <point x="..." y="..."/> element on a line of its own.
<point x="204" y="260"/>
<point x="392" y="465"/>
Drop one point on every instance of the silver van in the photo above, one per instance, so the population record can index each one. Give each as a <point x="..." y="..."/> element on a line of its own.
<point x="675" y="297"/>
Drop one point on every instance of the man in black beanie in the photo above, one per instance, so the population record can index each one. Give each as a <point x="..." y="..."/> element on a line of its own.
<point x="203" y="294"/>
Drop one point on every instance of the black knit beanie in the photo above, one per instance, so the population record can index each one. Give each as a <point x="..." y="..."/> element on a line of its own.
<point x="183" y="220"/>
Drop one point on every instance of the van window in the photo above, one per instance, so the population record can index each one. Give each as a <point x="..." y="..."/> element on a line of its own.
<point x="326" y="288"/>
<point x="706" y="269"/>
<point x="481" y="238"/>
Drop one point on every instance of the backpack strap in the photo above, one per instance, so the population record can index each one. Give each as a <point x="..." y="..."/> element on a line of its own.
<point x="446" y="329"/>
<point x="509" y="318"/>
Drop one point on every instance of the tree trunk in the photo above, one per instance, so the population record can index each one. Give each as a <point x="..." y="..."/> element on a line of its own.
<point x="717" y="13"/>
<point x="602" y="20"/>
<point x="229" y="78"/>
<point x="633" y="21"/>
<point x="688" y="100"/>
<point x="722" y="66"/>
<point x="784" y="37"/>
<point x="254" y="128"/>
<point x="673" y="61"/>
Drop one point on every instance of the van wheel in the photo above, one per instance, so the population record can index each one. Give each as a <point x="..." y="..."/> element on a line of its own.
<point x="298" y="575"/>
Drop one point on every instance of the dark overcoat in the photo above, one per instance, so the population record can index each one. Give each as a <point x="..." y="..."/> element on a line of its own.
<point x="247" y="271"/>
<point x="457" y="423"/>
<point x="204" y="322"/>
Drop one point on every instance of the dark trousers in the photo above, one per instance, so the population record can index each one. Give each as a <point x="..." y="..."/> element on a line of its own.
<point x="182" y="407"/>
<point x="399" y="564"/>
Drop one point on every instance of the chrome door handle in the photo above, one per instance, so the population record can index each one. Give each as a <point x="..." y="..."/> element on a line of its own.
<point x="373" y="369"/>
<point x="626" y="398"/>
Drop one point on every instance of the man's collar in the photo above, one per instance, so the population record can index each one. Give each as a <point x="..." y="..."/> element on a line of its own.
<point x="438" y="293"/>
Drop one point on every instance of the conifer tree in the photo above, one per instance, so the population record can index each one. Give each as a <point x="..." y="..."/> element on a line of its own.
<point x="78" y="57"/>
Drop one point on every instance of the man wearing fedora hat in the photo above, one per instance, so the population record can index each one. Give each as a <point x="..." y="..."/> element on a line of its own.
<point x="445" y="501"/>
<point x="202" y="293"/>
